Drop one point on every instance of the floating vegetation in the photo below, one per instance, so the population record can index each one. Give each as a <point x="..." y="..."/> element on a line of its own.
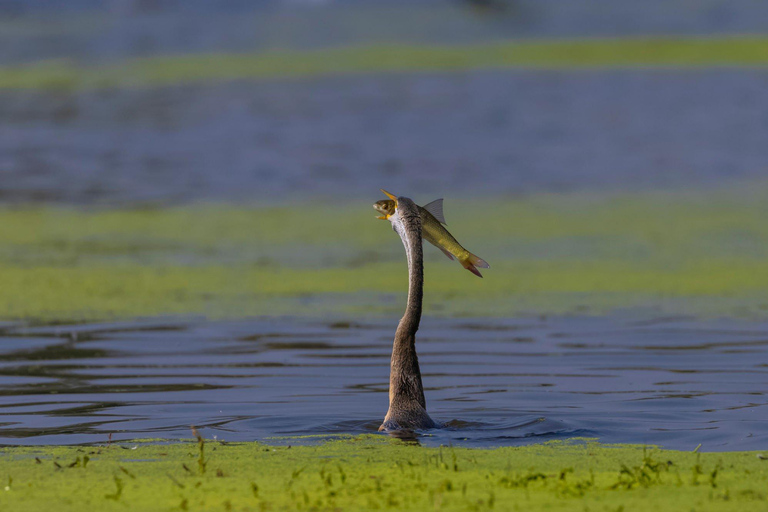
<point x="545" y="54"/>
<point x="373" y="472"/>
<point x="695" y="252"/>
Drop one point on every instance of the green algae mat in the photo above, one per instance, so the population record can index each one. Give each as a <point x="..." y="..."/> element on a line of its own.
<point x="375" y="473"/>
<point x="746" y="51"/>
<point x="688" y="252"/>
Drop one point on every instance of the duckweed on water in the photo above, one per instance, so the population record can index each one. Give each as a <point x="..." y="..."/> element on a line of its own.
<point x="545" y="54"/>
<point x="374" y="473"/>
<point x="703" y="253"/>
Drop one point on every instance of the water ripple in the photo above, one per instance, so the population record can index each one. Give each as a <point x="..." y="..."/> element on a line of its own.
<point x="613" y="379"/>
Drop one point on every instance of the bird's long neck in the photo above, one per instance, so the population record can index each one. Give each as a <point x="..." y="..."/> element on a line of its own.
<point x="414" y="253"/>
<point x="405" y="376"/>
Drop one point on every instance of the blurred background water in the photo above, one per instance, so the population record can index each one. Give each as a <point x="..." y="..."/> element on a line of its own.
<point x="484" y="132"/>
<point x="488" y="133"/>
<point x="477" y="131"/>
<point x="106" y="29"/>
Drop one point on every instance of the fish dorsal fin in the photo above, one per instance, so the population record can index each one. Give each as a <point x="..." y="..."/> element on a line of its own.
<point x="436" y="209"/>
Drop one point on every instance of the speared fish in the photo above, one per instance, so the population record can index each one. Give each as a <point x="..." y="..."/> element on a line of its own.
<point x="433" y="231"/>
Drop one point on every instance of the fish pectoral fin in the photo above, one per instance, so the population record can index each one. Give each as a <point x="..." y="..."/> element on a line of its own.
<point x="450" y="256"/>
<point x="436" y="209"/>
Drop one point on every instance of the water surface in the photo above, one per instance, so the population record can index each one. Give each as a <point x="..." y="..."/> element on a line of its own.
<point x="454" y="135"/>
<point x="674" y="382"/>
<point x="102" y="30"/>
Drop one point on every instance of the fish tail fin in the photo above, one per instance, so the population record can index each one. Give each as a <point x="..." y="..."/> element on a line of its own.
<point x="472" y="262"/>
<point x="478" y="261"/>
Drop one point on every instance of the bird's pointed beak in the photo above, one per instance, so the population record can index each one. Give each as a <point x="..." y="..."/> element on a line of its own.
<point x="392" y="197"/>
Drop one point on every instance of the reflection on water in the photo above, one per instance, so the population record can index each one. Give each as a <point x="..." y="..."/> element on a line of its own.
<point x="674" y="381"/>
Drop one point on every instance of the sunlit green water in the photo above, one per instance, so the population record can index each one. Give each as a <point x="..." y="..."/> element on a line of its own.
<point x="699" y="252"/>
<point x="369" y="474"/>
<point x="546" y="54"/>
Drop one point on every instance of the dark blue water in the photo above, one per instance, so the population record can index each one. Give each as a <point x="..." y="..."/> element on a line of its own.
<point x="482" y="132"/>
<point x="102" y="30"/>
<point x="674" y="382"/>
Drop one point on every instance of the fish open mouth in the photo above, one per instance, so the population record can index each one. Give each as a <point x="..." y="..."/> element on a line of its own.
<point x="384" y="215"/>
